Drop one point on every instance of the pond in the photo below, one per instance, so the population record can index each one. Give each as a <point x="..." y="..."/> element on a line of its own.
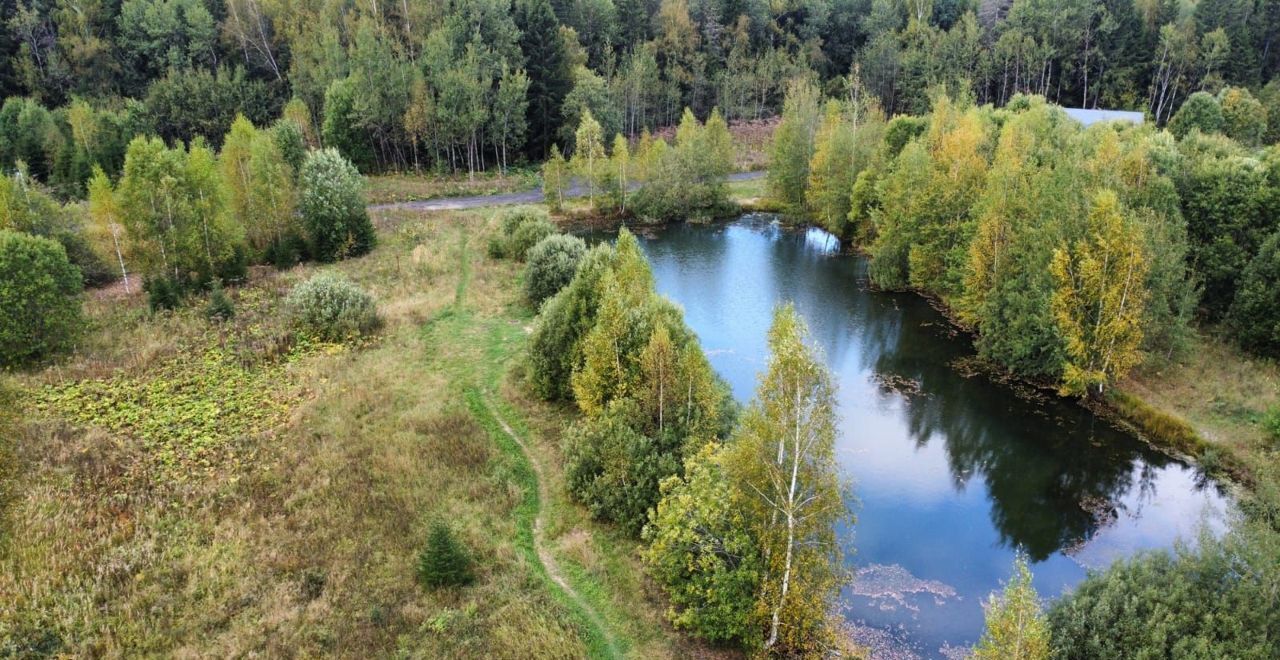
<point x="952" y="472"/>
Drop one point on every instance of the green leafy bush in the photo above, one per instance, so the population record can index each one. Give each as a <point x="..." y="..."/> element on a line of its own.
<point x="1271" y="424"/>
<point x="702" y="554"/>
<point x="445" y="562"/>
<point x="551" y="265"/>
<point x="614" y="469"/>
<point x="1214" y="601"/>
<point x="332" y="308"/>
<point x="555" y="348"/>
<point x="1200" y="111"/>
<point x="519" y="230"/>
<point x="40" y="298"/>
<point x="1255" y="312"/>
<point x="333" y="209"/>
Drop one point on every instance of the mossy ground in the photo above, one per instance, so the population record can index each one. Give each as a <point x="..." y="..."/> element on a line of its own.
<point x="188" y="488"/>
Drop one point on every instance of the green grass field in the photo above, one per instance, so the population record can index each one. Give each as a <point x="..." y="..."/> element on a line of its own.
<point x="184" y="488"/>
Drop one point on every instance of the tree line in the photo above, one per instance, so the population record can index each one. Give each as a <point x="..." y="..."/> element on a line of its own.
<point x="739" y="510"/>
<point x="467" y="85"/>
<point x="177" y="219"/>
<point x="1074" y="253"/>
<point x="653" y="182"/>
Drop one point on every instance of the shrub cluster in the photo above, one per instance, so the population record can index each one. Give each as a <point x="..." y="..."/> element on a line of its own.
<point x="332" y="308"/>
<point x="550" y="266"/>
<point x="332" y="207"/>
<point x="518" y="231"/>
<point x="40" y="298"/>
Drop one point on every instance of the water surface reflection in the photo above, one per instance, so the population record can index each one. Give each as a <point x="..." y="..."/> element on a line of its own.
<point x="952" y="471"/>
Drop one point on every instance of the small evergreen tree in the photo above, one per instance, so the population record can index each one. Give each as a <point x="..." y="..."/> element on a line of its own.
<point x="219" y="308"/>
<point x="445" y="562"/>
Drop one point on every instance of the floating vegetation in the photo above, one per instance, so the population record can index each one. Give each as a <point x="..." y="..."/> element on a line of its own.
<point x="897" y="384"/>
<point x="972" y="365"/>
<point x="881" y="644"/>
<point x="890" y="586"/>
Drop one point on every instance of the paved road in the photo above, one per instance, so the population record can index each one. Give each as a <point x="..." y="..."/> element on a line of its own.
<point x="528" y="197"/>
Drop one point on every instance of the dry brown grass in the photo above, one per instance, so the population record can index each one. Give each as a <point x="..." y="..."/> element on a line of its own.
<point x="410" y="187"/>
<point x="303" y="540"/>
<point x="1224" y="396"/>
<point x="1221" y="391"/>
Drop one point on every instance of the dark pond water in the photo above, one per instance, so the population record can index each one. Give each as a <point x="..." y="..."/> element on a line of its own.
<point x="952" y="472"/>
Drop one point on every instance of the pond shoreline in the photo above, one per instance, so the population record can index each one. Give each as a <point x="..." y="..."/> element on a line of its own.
<point x="1161" y="429"/>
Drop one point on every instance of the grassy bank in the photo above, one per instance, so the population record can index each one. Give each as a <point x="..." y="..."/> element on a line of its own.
<point x="184" y="488"/>
<point x="1212" y="403"/>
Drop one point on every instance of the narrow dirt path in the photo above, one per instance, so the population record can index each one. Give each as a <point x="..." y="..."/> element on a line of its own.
<point x="540" y="541"/>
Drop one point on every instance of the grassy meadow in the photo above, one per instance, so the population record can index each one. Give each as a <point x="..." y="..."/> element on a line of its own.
<point x="410" y="187"/>
<point x="185" y="488"/>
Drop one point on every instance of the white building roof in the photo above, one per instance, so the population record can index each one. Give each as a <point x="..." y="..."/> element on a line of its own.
<point x="1088" y="117"/>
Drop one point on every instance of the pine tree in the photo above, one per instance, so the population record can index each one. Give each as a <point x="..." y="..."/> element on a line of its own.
<point x="1016" y="627"/>
<point x="445" y="562"/>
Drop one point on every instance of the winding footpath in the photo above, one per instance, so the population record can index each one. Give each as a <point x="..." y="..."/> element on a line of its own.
<point x="540" y="543"/>
<point x="529" y="197"/>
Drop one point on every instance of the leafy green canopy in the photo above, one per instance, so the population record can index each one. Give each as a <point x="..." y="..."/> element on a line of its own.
<point x="40" y="296"/>
<point x="1216" y="600"/>
<point x="333" y="209"/>
<point x="647" y="393"/>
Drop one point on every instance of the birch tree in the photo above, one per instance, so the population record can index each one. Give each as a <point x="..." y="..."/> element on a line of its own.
<point x="1099" y="298"/>
<point x="588" y="153"/>
<point x="555" y="174"/>
<point x="104" y="214"/>
<point x="1016" y="626"/>
<point x="784" y="470"/>
<point x="620" y="166"/>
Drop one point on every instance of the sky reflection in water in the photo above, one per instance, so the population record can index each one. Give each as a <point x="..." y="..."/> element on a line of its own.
<point x="951" y="473"/>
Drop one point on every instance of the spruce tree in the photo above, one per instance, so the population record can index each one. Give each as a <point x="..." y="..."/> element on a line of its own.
<point x="547" y="66"/>
<point x="445" y="562"/>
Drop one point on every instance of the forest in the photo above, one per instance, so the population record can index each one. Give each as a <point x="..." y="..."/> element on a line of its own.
<point x="245" y="401"/>
<point x="475" y="84"/>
